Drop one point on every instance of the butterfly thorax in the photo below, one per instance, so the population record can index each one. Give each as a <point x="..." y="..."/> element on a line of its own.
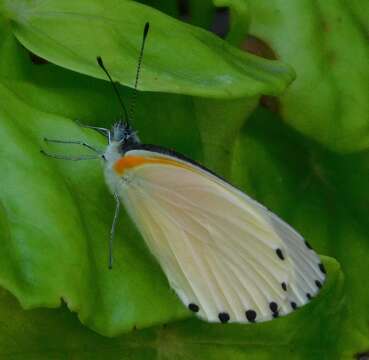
<point x="122" y="135"/>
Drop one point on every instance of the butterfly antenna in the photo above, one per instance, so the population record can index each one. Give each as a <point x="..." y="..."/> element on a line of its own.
<point x="134" y="96"/>
<point x="101" y="64"/>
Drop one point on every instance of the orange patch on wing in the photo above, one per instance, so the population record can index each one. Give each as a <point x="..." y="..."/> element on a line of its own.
<point x="129" y="162"/>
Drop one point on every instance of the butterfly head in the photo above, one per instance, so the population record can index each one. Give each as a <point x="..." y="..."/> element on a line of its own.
<point x="122" y="134"/>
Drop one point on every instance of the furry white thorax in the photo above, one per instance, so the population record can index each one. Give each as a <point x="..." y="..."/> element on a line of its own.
<point x="121" y="135"/>
<point x="112" y="152"/>
<point x="111" y="155"/>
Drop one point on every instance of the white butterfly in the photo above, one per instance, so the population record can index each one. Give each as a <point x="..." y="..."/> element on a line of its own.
<point x="227" y="257"/>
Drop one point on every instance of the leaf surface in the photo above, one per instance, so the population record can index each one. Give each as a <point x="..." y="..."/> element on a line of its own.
<point x="327" y="44"/>
<point x="189" y="61"/>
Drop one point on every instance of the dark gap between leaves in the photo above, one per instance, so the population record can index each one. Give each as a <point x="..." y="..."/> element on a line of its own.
<point x="256" y="46"/>
<point x="362" y="356"/>
<point x="184" y="9"/>
<point x="221" y="22"/>
<point x="37" y="60"/>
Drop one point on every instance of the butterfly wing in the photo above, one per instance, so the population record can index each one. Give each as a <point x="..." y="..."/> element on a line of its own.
<point x="227" y="257"/>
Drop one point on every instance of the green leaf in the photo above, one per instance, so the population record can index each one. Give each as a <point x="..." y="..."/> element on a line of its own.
<point x="189" y="61"/>
<point x="44" y="334"/>
<point x="327" y="44"/>
<point x="57" y="247"/>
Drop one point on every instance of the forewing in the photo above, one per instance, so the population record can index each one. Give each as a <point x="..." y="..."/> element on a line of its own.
<point x="227" y="257"/>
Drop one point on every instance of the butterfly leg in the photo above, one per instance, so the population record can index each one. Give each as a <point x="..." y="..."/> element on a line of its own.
<point x="63" y="157"/>
<point x="75" y="142"/>
<point x="112" y="231"/>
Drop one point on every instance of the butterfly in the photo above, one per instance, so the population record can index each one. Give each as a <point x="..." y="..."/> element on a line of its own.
<point x="228" y="258"/>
